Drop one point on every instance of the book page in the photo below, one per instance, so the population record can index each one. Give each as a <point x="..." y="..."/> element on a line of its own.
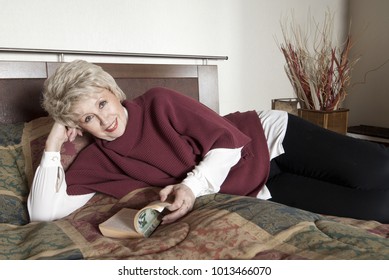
<point x="148" y="218"/>
<point x="120" y="225"/>
<point x="133" y="223"/>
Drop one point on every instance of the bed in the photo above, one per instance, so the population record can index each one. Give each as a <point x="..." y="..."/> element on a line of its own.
<point x="219" y="227"/>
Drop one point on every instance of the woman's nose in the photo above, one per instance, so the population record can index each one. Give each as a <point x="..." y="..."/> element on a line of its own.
<point x="103" y="120"/>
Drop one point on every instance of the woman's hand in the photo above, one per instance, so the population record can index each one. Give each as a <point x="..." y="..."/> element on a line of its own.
<point x="58" y="135"/>
<point x="182" y="204"/>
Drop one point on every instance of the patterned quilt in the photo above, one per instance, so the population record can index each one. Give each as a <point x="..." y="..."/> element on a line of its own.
<point x="219" y="227"/>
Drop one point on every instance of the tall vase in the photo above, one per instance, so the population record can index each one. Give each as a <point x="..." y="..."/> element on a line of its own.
<point x="336" y="120"/>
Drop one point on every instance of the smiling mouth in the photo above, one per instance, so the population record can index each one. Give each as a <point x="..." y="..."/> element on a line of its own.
<point x="113" y="126"/>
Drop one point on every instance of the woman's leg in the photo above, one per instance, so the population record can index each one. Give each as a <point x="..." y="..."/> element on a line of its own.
<point x="345" y="170"/>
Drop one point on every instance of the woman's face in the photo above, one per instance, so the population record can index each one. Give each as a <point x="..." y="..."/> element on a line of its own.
<point x="102" y="115"/>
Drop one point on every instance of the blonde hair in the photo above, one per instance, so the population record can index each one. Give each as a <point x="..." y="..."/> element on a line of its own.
<point x="72" y="82"/>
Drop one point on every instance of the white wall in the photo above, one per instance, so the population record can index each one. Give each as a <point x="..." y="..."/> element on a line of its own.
<point x="243" y="30"/>
<point x="369" y="91"/>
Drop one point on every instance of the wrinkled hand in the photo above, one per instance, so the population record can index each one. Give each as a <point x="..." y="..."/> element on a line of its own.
<point x="183" y="201"/>
<point x="58" y="135"/>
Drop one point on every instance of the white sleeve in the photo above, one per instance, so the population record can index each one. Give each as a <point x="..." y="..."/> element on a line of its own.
<point x="48" y="199"/>
<point x="210" y="173"/>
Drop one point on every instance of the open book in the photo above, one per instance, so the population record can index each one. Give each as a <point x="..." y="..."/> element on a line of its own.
<point x="133" y="223"/>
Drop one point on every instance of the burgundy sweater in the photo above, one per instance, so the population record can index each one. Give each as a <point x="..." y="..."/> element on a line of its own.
<point x="167" y="134"/>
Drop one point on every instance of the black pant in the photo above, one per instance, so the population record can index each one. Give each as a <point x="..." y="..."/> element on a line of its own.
<point x="329" y="173"/>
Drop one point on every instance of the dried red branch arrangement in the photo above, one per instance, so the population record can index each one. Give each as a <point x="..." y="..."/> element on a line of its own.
<point x="318" y="71"/>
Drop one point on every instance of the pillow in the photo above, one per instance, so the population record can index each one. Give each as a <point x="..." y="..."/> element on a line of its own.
<point x="21" y="148"/>
<point x="35" y="134"/>
<point x="13" y="182"/>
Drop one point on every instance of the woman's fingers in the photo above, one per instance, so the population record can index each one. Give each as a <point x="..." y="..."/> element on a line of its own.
<point x="182" y="204"/>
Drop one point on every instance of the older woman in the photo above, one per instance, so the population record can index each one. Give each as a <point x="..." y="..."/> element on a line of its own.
<point x="165" y="139"/>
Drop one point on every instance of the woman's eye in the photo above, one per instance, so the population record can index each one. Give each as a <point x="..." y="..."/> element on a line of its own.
<point x="88" y="119"/>
<point x="102" y="104"/>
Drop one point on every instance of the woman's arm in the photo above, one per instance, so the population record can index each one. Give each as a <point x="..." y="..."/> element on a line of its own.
<point x="205" y="178"/>
<point x="48" y="199"/>
<point x="210" y="173"/>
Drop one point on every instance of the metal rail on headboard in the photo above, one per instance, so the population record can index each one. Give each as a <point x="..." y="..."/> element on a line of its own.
<point x="61" y="54"/>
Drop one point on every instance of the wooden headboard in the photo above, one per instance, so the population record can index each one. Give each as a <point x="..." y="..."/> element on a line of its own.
<point x="21" y="84"/>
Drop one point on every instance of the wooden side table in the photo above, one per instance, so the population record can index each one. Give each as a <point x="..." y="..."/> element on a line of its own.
<point x="289" y="105"/>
